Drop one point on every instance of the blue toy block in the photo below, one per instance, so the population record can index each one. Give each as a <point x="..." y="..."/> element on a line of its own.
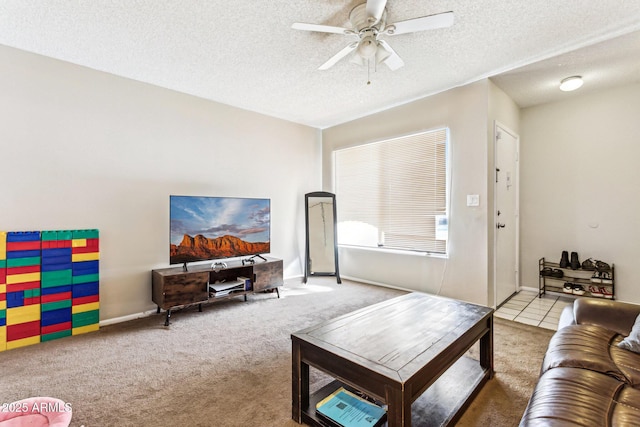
<point x="86" y="267"/>
<point x="56" y="266"/>
<point x="23" y="236"/>
<point x="54" y="317"/>
<point x="57" y="252"/>
<point x="85" y="289"/>
<point x="15" y="299"/>
<point x="56" y="290"/>
<point x="23" y="254"/>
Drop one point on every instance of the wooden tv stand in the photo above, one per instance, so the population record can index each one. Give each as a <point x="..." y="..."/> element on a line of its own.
<point x="175" y="287"/>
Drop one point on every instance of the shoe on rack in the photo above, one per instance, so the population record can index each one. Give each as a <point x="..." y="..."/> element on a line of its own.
<point x="606" y="292"/>
<point x="575" y="262"/>
<point x="588" y="264"/>
<point x="602" y="266"/>
<point x="546" y="271"/>
<point x="595" y="292"/>
<point x="564" y="260"/>
<point x="596" y="278"/>
<point x="568" y="288"/>
<point x="558" y="274"/>
<point x="578" y="289"/>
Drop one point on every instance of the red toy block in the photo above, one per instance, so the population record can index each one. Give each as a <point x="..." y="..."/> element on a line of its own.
<point x="16" y="287"/>
<point x="31" y="301"/>
<point x="86" y="300"/>
<point x="62" y="296"/>
<point x="64" y="326"/>
<point x="23" y="270"/>
<point x="23" y="330"/>
<point x="23" y="246"/>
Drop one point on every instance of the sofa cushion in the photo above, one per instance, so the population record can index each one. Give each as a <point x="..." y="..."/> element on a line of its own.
<point x="583" y="346"/>
<point x="580" y="397"/>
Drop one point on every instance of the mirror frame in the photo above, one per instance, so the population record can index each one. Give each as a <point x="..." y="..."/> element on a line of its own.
<point x="307" y="263"/>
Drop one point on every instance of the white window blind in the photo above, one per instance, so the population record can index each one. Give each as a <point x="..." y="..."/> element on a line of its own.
<point x="393" y="193"/>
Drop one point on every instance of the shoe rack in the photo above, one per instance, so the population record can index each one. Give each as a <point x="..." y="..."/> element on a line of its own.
<point x="576" y="282"/>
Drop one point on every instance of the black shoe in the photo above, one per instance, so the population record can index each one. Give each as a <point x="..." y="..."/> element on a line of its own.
<point x="546" y="271"/>
<point x="558" y="274"/>
<point x="564" y="261"/>
<point x="575" y="263"/>
<point x="588" y="264"/>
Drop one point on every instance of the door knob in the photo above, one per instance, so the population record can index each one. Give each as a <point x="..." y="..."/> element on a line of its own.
<point x="498" y="225"/>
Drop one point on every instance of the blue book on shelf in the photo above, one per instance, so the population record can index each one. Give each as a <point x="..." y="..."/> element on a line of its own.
<point x="349" y="410"/>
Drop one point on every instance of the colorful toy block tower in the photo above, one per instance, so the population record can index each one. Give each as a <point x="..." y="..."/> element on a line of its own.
<point x="86" y="280"/>
<point x="23" y="289"/>
<point x="3" y="290"/>
<point x="56" y="296"/>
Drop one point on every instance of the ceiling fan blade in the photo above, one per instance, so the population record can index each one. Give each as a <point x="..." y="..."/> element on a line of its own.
<point x="393" y="61"/>
<point x="322" y="28"/>
<point x="375" y="8"/>
<point x="431" y="22"/>
<point x="338" y="56"/>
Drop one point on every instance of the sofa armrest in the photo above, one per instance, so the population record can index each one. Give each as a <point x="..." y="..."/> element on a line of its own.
<point x="613" y="315"/>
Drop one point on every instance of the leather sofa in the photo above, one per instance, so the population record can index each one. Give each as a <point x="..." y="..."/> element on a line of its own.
<point x="586" y="379"/>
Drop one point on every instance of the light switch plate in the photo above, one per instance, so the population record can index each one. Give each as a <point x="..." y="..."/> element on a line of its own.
<point x="473" y="200"/>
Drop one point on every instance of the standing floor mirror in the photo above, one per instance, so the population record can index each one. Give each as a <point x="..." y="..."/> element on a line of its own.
<point x="321" y="257"/>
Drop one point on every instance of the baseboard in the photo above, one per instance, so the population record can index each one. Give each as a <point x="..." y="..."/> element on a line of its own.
<point x="528" y="289"/>
<point x="128" y="317"/>
<point x="371" y="282"/>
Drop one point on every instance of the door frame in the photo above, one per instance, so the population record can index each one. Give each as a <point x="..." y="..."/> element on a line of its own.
<point x="497" y="127"/>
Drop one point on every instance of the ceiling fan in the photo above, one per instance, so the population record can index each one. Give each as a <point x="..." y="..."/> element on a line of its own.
<point x="368" y="21"/>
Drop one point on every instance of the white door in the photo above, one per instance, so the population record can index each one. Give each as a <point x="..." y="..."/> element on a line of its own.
<point x="506" y="214"/>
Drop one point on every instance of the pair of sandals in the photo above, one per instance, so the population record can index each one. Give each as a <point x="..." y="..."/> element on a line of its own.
<point x="552" y="272"/>
<point x="591" y="265"/>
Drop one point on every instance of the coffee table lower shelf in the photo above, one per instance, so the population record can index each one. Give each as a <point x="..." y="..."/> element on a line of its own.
<point x="442" y="404"/>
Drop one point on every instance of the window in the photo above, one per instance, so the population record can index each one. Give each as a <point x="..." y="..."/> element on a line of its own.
<point x="393" y="193"/>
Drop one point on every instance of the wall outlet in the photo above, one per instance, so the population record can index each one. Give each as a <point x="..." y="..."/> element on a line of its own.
<point x="473" y="200"/>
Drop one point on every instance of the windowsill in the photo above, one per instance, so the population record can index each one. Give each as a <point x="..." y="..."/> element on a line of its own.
<point x="396" y="251"/>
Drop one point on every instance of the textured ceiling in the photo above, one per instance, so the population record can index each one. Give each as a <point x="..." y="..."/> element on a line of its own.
<point x="244" y="53"/>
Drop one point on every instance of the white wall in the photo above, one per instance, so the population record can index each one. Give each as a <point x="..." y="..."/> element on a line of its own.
<point x="580" y="180"/>
<point x="85" y="149"/>
<point x="464" y="275"/>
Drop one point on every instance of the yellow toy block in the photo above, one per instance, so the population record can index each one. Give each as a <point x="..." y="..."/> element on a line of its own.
<point x="23" y="342"/>
<point x="85" y="307"/>
<point x="79" y="243"/>
<point x="3" y="245"/>
<point x="84" y="329"/>
<point x="23" y="278"/>
<point x="24" y="314"/>
<point x="3" y="288"/>
<point x="92" y="256"/>
<point x="3" y="338"/>
<point x="3" y="305"/>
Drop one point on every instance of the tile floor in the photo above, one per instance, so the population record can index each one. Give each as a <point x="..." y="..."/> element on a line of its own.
<point x="526" y="307"/>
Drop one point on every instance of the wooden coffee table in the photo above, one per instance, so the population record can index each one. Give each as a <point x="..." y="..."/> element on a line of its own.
<point x="407" y="352"/>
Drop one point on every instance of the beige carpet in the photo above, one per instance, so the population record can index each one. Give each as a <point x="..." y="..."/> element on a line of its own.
<point x="231" y="364"/>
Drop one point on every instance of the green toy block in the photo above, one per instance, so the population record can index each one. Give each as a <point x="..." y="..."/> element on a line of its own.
<point x="51" y="279"/>
<point x="86" y="278"/>
<point x="48" y="235"/>
<point x="56" y="305"/>
<point x="56" y="335"/>
<point x="85" y="318"/>
<point x="23" y="262"/>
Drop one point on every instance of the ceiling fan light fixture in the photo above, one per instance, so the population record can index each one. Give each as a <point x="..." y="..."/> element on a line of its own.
<point x="571" y="83"/>
<point x="367" y="47"/>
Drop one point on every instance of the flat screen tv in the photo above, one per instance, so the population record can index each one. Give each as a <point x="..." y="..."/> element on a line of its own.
<point x="209" y="228"/>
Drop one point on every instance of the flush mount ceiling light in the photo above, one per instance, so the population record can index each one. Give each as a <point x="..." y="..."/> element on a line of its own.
<point x="571" y="83"/>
